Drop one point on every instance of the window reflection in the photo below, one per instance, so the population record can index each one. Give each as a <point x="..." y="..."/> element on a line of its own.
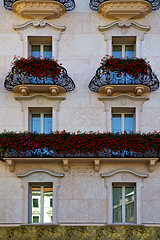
<point x="41" y="208"/>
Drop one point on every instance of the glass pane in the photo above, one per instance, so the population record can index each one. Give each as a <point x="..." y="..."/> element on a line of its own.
<point x="129" y="51"/>
<point x="48" y="195"/>
<point x="128" y="123"/>
<point x="47" y="123"/>
<point x="35" y="51"/>
<point x="117" y="51"/>
<point x="35" y="202"/>
<point x="117" y="204"/>
<point x="116" y="123"/>
<point x="47" y="51"/>
<point x="35" y="211"/>
<point x="129" y="204"/>
<point x="36" y="123"/>
<point x="35" y="219"/>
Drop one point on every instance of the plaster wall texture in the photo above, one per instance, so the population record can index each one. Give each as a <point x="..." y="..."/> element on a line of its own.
<point x="82" y="194"/>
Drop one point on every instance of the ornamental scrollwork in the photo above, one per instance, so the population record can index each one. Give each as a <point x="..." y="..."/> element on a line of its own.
<point x="104" y="77"/>
<point x="63" y="80"/>
<point x="94" y="4"/>
<point x="69" y="4"/>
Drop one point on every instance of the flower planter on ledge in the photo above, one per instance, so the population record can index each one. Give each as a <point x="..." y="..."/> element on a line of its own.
<point x="124" y="76"/>
<point x="66" y="147"/>
<point x="33" y="76"/>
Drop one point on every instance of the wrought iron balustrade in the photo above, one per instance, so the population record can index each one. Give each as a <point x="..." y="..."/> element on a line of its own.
<point x="63" y="80"/>
<point x="44" y="153"/>
<point x="94" y="4"/>
<point x="69" y="4"/>
<point x="104" y="77"/>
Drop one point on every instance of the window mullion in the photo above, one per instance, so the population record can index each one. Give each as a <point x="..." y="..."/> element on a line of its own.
<point x="42" y="204"/>
<point x="42" y="122"/>
<point x="41" y="50"/>
<point x="123" y="204"/>
<point x="122" y="122"/>
<point x="123" y="50"/>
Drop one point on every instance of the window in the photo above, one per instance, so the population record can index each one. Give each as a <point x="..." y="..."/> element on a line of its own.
<point x="40" y="47"/>
<point x="41" y="209"/>
<point x="123" y="120"/>
<point x="41" y="121"/>
<point x="123" y="47"/>
<point x="124" y="201"/>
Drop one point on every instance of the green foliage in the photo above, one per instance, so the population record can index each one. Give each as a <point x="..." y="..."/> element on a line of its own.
<point x="110" y="232"/>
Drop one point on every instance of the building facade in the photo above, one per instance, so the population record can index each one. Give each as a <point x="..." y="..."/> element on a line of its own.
<point x="112" y="185"/>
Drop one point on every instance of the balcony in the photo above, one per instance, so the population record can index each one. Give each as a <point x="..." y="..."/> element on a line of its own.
<point x="124" y="76"/>
<point x="124" y="9"/>
<point x="33" y="76"/>
<point x="71" y="147"/>
<point x="40" y="9"/>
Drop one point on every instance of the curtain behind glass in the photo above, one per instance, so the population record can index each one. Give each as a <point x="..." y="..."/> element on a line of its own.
<point x="129" y="51"/>
<point x="35" y="51"/>
<point x="117" y="51"/>
<point x="128" y="123"/>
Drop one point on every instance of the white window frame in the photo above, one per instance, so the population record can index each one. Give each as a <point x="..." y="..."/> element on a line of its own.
<point x="123" y="202"/>
<point x="123" y="48"/>
<point x="41" y="203"/>
<point x="130" y="111"/>
<point x="40" y="176"/>
<point x="41" y="112"/>
<point x="41" y="48"/>
<point x="124" y="177"/>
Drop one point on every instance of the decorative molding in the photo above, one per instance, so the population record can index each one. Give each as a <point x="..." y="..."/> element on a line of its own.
<point x="38" y="170"/>
<point x="32" y="89"/>
<point x="109" y="174"/>
<point x="125" y="9"/>
<point x="124" y="24"/>
<point x="152" y="163"/>
<point x="97" y="165"/>
<point x="10" y="163"/>
<point x="94" y="4"/>
<point x="65" y="165"/>
<point x="114" y="90"/>
<point x="39" y="24"/>
<point x="68" y="4"/>
<point x="123" y="96"/>
<point x="39" y="9"/>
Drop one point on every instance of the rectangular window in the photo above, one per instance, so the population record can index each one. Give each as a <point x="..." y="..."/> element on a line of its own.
<point x="41" y="210"/>
<point x="124" y="201"/>
<point x="40" y="47"/>
<point x="41" y="121"/>
<point x="123" y="47"/>
<point x="123" y="120"/>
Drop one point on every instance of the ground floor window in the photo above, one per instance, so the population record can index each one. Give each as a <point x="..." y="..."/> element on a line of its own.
<point x="124" y="202"/>
<point x="41" y="207"/>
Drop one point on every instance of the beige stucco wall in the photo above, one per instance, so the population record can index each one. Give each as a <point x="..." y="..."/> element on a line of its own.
<point x="82" y="194"/>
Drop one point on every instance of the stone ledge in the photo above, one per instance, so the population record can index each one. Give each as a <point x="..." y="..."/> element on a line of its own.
<point x="39" y="9"/>
<point x="125" y="9"/>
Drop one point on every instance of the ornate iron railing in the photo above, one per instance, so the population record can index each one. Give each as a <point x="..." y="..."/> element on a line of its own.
<point x="94" y="4"/>
<point x="69" y="4"/>
<point x="43" y="153"/>
<point x="63" y="80"/>
<point x="103" y="77"/>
